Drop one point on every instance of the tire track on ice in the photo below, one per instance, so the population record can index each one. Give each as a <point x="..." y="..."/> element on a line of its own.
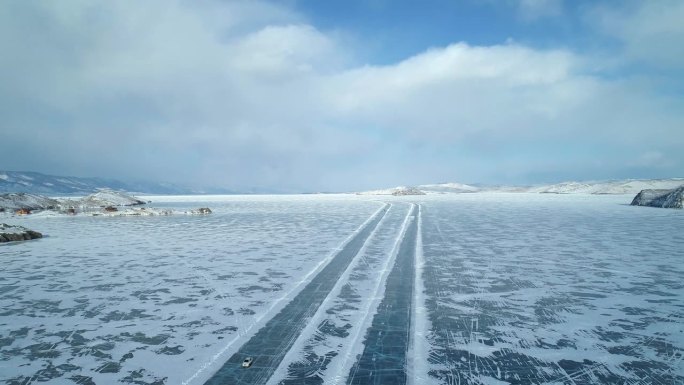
<point x="269" y="344"/>
<point x="321" y="315"/>
<point x="419" y="348"/>
<point x="384" y="358"/>
<point x="355" y="347"/>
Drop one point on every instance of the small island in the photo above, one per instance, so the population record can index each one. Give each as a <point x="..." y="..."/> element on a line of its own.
<point x="672" y="199"/>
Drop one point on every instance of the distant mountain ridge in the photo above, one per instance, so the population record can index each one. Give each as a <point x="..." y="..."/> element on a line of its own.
<point x="627" y="186"/>
<point x="37" y="183"/>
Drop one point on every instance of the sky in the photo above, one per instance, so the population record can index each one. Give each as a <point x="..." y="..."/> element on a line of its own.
<point x="308" y="95"/>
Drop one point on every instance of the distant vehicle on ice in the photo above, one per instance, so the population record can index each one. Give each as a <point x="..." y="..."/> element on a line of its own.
<point x="247" y="362"/>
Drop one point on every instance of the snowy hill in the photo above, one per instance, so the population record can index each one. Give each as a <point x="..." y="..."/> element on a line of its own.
<point x="37" y="183"/>
<point x="14" y="201"/>
<point x="10" y="202"/>
<point x="397" y="191"/>
<point x="106" y="198"/>
<point x="630" y="186"/>
<point x="448" y="187"/>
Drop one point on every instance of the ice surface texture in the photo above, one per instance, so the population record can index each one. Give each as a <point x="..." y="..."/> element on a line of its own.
<point x="553" y="290"/>
<point x="103" y="300"/>
<point x="328" y="348"/>
<point x="516" y="288"/>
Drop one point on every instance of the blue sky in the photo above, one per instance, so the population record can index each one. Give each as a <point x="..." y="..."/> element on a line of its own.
<point x="394" y="30"/>
<point x="307" y="95"/>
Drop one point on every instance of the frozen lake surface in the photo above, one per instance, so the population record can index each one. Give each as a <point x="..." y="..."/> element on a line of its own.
<point x="440" y="289"/>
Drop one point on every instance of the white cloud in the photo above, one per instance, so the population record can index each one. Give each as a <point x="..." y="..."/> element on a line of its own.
<point x="492" y="100"/>
<point x="283" y="50"/>
<point x="257" y="97"/>
<point x="651" y="31"/>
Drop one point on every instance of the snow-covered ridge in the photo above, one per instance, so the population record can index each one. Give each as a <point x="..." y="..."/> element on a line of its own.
<point x="106" y="198"/>
<point x="628" y="186"/>
<point x="448" y="187"/>
<point x="102" y="203"/>
<point x="397" y="191"/>
<point x="15" y="201"/>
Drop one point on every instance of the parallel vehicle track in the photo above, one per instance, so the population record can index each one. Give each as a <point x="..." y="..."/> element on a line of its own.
<point x="270" y="344"/>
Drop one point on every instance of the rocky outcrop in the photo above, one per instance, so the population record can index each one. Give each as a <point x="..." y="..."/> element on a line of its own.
<point x="407" y="191"/>
<point x="13" y="202"/>
<point x="102" y="203"/>
<point x="16" y="201"/>
<point x="109" y="198"/>
<point x="9" y="233"/>
<point x="673" y="199"/>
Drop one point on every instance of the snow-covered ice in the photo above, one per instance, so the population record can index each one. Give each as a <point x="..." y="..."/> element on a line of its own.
<point x="327" y="349"/>
<point x="510" y="289"/>
<point x="153" y="299"/>
<point x="539" y="289"/>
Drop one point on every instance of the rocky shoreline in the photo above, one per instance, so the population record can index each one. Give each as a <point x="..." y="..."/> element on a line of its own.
<point x="103" y="203"/>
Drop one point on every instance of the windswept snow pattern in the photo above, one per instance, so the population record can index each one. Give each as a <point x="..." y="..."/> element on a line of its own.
<point x="559" y="291"/>
<point x="270" y="344"/>
<point x="500" y="289"/>
<point x="153" y="300"/>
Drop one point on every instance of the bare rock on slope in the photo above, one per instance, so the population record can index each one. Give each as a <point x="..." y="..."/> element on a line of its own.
<point x="10" y="233"/>
<point x="673" y="199"/>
